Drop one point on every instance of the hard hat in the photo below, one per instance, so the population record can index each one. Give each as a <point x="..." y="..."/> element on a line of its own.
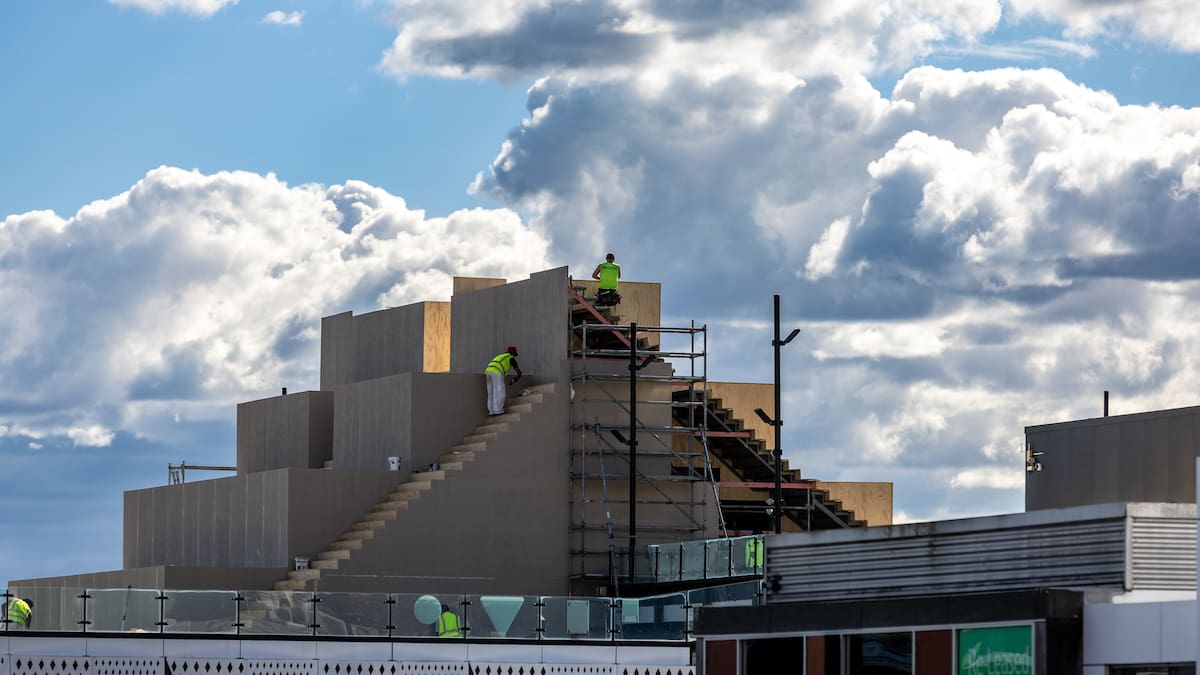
<point x="512" y="350"/>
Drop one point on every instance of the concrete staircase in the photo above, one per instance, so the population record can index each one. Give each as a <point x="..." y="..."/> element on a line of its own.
<point x="397" y="501"/>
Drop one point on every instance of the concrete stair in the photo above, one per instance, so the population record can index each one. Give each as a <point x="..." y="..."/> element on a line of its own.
<point x="397" y="501"/>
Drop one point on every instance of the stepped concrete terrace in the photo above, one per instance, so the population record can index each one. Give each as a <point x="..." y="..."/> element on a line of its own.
<point x="427" y="533"/>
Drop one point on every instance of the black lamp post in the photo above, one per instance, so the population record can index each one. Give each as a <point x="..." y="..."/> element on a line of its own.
<point x="777" y="423"/>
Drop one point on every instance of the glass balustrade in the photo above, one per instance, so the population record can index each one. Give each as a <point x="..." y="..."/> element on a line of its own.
<point x="576" y="618"/>
<point x="353" y="614"/>
<point x="292" y="613"/>
<point x="428" y="615"/>
<point x="200" y="612"/>
<point x="122" y="610"/>
<point x="503" y="616"/>
<point x="276" y="613"/>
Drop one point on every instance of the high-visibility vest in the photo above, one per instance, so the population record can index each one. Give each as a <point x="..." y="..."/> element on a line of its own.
<point x="501" y="364"/>
<point x="754" y="553"/>
<point x="609" y="273"/>
<point x="19" y="612"/>
<point x="448" y="625"/>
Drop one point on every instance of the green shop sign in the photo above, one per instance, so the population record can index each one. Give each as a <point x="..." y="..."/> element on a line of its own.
<point x="995" y="651"/>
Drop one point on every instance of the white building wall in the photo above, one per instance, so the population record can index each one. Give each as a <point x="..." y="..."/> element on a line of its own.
<point x="1139" y="633"/>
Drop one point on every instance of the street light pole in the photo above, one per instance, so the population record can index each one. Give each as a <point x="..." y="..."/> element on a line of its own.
<point x="777" y="423"/>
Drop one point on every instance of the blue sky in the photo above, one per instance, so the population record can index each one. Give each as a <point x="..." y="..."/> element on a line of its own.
<point x="106" y="94"/>
<point x="981" y="212"/>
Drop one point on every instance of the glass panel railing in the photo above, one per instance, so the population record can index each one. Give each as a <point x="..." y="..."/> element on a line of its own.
<point x="276" y="613"/>
<point x="667" y="566"/>
<point x="659" y="617"/>
<point x="644" y="565"/>
<point x="718" y="554"/>
<point x="122" y="610"/>
<point x="200" y="612"/>
<point x="740" y="593"/>
<point x="748" y="555"/>
<point x="53" y="609"/>
<point x="576" y="618"/>
<point x="692" y="560"/>
<point x="427" y="615"/>
<point x="502" y="616"/>
<point x="282" y="613"/>
<point x="359" y="614"/>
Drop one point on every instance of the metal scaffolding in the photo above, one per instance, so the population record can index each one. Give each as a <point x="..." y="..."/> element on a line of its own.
<point x="669" y="499"/>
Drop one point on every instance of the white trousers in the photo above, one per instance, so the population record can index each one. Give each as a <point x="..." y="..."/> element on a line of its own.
<point x="497" y="391"/>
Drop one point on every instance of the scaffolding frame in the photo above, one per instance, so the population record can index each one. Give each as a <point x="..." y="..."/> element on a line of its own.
<point x="593" y="447"/>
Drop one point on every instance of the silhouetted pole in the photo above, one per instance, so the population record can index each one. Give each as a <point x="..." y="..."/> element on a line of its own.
<point x="777" y="424"/>
<point x="633" y="371"/>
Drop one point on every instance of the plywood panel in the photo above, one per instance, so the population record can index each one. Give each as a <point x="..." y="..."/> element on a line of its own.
<point x="871" y="502"/>
<point x="437" y="337"/>
<point x="468" y="284"/>
<point x="742" y="398"/>
<point x="641" y="301"/>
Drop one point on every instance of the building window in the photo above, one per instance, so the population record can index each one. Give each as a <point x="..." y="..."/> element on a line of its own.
<point x="773" y="655"/>
<point x="879" y="654"/>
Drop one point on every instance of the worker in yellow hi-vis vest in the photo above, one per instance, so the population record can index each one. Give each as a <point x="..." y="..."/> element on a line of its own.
<point x="447" y="624"/>
<point x="607" y="273"/>
<point x="496" y="372"/>
<point x="18" y="613"/>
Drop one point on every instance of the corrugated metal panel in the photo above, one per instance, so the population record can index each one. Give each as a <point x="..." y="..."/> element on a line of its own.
<point x="1162" y="553"/>
<point x="1026" y="553"/>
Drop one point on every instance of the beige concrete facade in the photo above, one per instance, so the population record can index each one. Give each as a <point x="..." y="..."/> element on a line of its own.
<point x="513" y="499"/>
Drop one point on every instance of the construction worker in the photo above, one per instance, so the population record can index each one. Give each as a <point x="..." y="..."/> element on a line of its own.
<point x="447" y="624"/>
<point x="607" y="273"/>
<point x="18" y="613"/>
<point x="496" y="372"/>
<point x="754" y="553"/>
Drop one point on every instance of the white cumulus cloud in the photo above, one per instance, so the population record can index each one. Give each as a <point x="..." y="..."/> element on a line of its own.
<point x="201" y="8"/>
<point x="189" y="292"/>
<point x="973" y="253"/>
<point x="281" y="18"/>
<point x="1169" y="21"/>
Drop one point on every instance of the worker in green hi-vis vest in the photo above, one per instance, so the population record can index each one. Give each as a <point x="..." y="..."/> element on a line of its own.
<point x="447" y="624"/>
<point x="607" y="273"/>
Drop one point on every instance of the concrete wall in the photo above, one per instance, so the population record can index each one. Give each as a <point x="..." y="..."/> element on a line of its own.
<point x="1144" y="457"/>
<point x="285" y="432"/>
<point x="414" y="416"/>
<point x="500" y="525"/>
<point x="531" y="314"/>
<point x="1139" y="633"/>
<point x="262" y="519"/>
<point x="378" y="344"/>
<point x="165" y="576"/>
